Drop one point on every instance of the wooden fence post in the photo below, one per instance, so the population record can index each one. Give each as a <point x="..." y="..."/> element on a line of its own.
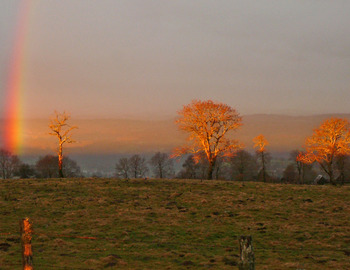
<point x="247" y="260"/>
<point x="26" y="230"/>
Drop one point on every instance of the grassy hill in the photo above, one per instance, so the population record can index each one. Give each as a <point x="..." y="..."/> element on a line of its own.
<point x="174" y="224"/>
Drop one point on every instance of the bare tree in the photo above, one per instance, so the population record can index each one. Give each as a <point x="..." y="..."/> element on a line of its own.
<point x="193" y="169"/>
<point x="207" y="124"/>
<point x="243" y="166"/>
<point x="71" y="168"/>
<point x="189" y="169"/>
<point x="61" y="130"/>
<point x="9" y="164"/>
<point x="162" y="165"/>
<point x="122" y="168"/>
<point x="47" y="167"/>
<point x="218" y="168"/>
<point x="138" y="166"/>
<point x="290" y="174"/>
<point x="295" y="157"/>
<point x="343" y="168"/>
<point x="26" y="171"/>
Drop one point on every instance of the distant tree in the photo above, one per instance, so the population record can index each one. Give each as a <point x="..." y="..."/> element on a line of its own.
<point x="162" y="165"/>
<point x="47" y="167"/>
<point x="207" y="124"/>
<point x="243" y="166"/>
<point x="290" y="174"/>
<point x="260" y="144"/>
<point x="328" y="142"/>
<point x="25" y="171"/>
<point x="343" y="168"/>
<point x="71" y="168"/>
<point x="305" y="172"/>
<point x="138" y="166"/>
<point x="189" y="169"/>
<point x="122" y="168"/>
<point x="9" y="163"/>
<point x="61" y="130"/>
<point x="218" y="168"/>
<point x="194" y="169"/>
<point x="295" y="156"/>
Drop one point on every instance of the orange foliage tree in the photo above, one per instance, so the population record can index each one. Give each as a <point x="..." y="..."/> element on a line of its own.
<point x="328" y="142"/>
<point x="61" y="130"/>
<point x="260" y="144"/>
<point x="207" y="124"/>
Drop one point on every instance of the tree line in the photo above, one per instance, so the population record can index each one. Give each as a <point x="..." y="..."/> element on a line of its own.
<point x="45" y="167"/>
<point x="211" y="152"/>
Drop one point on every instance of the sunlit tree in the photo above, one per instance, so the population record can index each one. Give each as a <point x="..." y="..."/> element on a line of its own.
<point x="61" y="129"/>
<point x="328" y="142"/>
<point x="208" y="124"/>
<point x="260" y="144"/>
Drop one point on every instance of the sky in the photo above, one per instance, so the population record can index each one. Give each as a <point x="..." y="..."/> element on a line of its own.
<point x="146" y="59"/>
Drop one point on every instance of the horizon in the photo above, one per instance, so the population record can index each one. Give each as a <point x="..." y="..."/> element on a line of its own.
<point x="115" y="136"/>
<point x="156" y="117"/>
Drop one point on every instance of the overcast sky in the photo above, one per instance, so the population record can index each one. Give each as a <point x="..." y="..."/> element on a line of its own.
<point x="125" y="58"/>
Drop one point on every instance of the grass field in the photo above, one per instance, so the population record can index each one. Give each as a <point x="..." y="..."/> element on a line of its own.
<point x="174" y="224"/>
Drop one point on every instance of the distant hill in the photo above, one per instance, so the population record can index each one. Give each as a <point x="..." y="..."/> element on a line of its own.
<point x="119" y="136"/>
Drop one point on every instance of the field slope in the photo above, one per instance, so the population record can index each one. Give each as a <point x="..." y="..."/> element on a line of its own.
<point x="174" y="224"/>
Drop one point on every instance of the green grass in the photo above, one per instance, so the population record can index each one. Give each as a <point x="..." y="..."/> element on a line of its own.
<point x="174" y="224"/>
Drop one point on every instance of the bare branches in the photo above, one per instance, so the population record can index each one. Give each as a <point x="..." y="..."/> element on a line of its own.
<point x="61" y="130"/>
<point x="58" y="124"/>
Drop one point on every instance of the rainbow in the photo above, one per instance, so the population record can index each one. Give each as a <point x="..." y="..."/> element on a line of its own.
<point x="13" y="133"/>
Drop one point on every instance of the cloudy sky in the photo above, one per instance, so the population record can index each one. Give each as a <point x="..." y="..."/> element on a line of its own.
<point x="137" y="58"/>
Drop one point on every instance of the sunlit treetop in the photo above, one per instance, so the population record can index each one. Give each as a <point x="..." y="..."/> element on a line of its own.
<point x="260" y="143"/>
<point x="60" y="127"/>
<point x="330" y="140"/>
<point x="207" y="124"/>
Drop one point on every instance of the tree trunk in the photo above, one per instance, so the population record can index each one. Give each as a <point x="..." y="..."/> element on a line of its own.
<point x="60" y="162"/>
<point x="211" y="169"/>
<point x="160" y="172"/>
<point x="303" y="174"/>
<point x="263" y="166"/>
<point x="331" y="177"/>
<point x="299" y="173"/>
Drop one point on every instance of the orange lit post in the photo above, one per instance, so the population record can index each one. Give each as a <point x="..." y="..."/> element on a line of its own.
<point x="247" y="259"/>
<point x="26" y="230"/>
